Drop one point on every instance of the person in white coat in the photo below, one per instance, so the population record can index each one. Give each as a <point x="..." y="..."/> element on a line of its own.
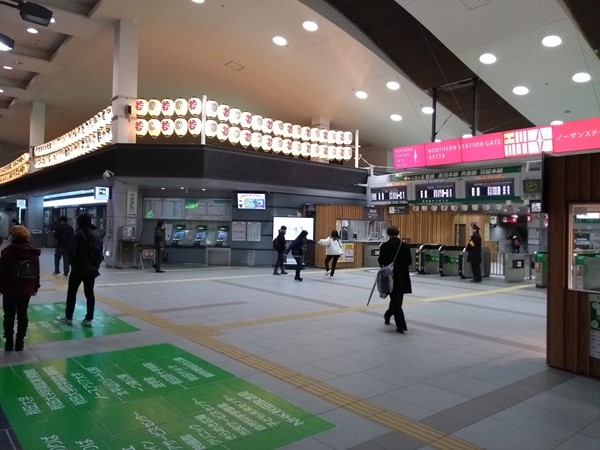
<point x="334" y="249"/>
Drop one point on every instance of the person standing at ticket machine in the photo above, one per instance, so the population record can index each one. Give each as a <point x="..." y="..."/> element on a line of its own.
<point x="474" y="253"/>
<point x="159" y="245"/>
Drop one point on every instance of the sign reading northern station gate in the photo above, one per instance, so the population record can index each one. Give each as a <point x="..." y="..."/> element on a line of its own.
<point x="154" y="397"/>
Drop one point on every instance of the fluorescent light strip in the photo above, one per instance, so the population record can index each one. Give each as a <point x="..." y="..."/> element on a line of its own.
<point x="69" y="194"/>
<point x="74" y="201"/>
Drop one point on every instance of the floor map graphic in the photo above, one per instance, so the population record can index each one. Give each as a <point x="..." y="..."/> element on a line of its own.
<point x="153" y="397"/>
<point x="43" y="326"/>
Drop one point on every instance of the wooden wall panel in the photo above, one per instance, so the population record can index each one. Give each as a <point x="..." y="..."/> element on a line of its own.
<point x="568" y="179"/>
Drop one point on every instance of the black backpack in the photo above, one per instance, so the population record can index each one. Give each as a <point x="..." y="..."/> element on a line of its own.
<point x="95" y="247"/>
<point x="24" y="270"/>
<point x="275" y="244"/>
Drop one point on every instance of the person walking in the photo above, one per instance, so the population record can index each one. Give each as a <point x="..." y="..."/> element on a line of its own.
<point x="334" y="249"/>
<point x="297" y="248"/>
<point x="474" y="253"/>
<point x="279" y="245"/>
<point x="17" y="286"/>
<point x="394" y="250"/>
<point x="63" y="234"/>
<point x="83" y="269"/>
<point x="159" y="245"/>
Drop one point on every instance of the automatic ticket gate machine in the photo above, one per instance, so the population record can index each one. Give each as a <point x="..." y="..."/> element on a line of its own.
<point x="449" y="260"/>
<point x="428" y="258"/>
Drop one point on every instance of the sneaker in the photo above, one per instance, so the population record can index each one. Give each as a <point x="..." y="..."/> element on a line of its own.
<point x="56" y="273"/>
<point x="327" y="273"/>
<point x="283" y="273"/>
<point x="330" y="277"/>
<point x="64" y="320"/>
<point x="297" y="278"/>
<point x="86" y="323"/>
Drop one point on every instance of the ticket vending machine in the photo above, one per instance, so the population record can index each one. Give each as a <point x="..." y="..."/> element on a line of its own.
<point x="178" y="234"/>
<point x="200" y="238"/>
<point x="222" y="237"/>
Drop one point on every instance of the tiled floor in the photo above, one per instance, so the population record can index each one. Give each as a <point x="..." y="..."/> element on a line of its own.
<point x="469" y="373"/>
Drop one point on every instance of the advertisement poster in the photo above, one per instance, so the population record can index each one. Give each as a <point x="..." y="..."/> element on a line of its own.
<point x="238" y="231"/>
<point x="348" y="255"/>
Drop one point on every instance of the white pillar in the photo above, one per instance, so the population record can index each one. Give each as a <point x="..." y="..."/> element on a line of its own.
<point x="125" y="81"/>
<point x="37" y="129"/>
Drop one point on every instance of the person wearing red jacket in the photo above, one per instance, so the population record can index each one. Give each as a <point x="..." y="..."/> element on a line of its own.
<point x="16" y="293"/>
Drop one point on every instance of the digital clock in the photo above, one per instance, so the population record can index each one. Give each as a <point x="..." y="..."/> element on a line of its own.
<point x="492" y="188"/>
<point x="435" y="193"/>
<point x="389" y="195"/>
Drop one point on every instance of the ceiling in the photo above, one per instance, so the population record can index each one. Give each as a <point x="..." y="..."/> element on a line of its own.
<point x="224" y="49"/>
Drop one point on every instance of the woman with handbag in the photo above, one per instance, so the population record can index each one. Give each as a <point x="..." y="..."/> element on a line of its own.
<point x="396" y="251"/>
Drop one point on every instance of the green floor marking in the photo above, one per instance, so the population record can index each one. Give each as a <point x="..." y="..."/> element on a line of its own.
<point x="43" y="326"/>
<point x="153" y="397"/>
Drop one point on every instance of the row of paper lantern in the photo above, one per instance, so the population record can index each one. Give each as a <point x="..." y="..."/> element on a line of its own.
<point x="100" y="123"/>
<point x="18" y="172"/>
<point x="181" y="107"/>
<point x="14" y="165"/>
<point x="72" y="151"/>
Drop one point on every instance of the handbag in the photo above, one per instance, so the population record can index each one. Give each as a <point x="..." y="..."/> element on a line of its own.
<point x="384" y="280"/>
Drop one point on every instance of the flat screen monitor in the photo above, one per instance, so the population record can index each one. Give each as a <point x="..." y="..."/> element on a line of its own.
<point x="179" y="234"/>
<point x="295" y="225"/>
<point x="222" y="235"/>
<point x="201" y="235"/>
<point x="250" y="200"/>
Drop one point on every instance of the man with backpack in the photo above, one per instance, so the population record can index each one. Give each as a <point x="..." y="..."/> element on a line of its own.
<point x="85" y="254"/>
<point x="19" y="280"/>
<point x="279" y="246"/>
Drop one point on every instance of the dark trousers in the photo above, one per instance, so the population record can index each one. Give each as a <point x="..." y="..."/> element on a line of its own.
<point x="333" y="259"/>
<point x="15" y="306"/>
<point x="75" y="279"/>
<point x="279" y="262"/>
<point x="158" y="257"/>
<point x="60" y="252"/>
<point x="395" y="309"/>
<point x="476" y="268"/>
<point x="298" y="265"/>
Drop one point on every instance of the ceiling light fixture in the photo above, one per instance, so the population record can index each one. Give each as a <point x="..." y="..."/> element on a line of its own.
<point x="197" y="1"/>
<point x="7" y="67"/>
<point x="582" y="77"/>
<point x="551" y="41"/>
<point x="279" y="40"/>
<point x="488" y="58"/>
<point x="556" y="122"/>
<point x="396" y="117"/>
<point x="6" y="43"/>
<point x="32" y="30"/>
<point x="361" y="94"/>
<point x="520" y="90"/>
<point x="467" y="135"/>
<point x="31" y="12"/>
<point x="427" y="110"/>
<point x="393" y="85"/>
<point x="309" y="25"/>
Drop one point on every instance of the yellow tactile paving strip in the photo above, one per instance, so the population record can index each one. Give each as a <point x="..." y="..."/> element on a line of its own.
<point x="204" y="335"/>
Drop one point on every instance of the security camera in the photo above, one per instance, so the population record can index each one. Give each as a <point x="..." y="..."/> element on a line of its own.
<point x="108" y="174"/>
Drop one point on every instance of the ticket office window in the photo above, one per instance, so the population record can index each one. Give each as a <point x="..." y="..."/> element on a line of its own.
<point x="584" y="247"/>
<point x="361" y="230"/>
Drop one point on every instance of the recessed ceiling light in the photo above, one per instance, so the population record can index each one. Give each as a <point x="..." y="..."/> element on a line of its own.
<point x="396" y="117"/>
<point x="556" y="122"/>
<point x="197" y="1"/>
<point x="437" y="140"/>
<point x="582" y="77"/>
<point x="279" y="40"/>
<point x="204" y="189"/>
<point x="309" y="25"/>
<point x="182" y="188"/>
<point x="487" y="58"/>
<point x="551" y="41"/>
<point x="53" y="20"/>
<point x="1" y="91"/>
<point x="162" y="188"/>
<point x="467" y="135"/>
<point x="427" y="110"/>
<point x="32" y="30"/>
<point x="7" y="67"/>
<point x="361" y="94"/>
<point x="520" y="90"/>
<point x="393" y="85"/>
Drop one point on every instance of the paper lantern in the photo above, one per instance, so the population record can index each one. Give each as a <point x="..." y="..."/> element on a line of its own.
<point x="267" y="125"/>
<point x="210" y="109"/>
<point x="154" y="127"/>
<point x="245" y="138"/>
<point x="181" y="108"/>
<point x="331" y="136"/>
<point x="154" y="107"/>
<point x="296" y="131"/>
<point x="444" y="207"/>
<point x="278" y="128"/>
<point x="277" y="144"/>
<point x="314" y="150"/>
<point x="257" y="122"/>
<point x="210" y="128"/>
<point x="424" y="208"/>
<point x="141" y="107"/>
<point x="194" y="126"/>
<point x="267" y="143"/>
<point x="235" y="116"/>
<point x="347" y="153"/>
<point x="181" y="125"/>
<point x="434" y="208"/>
<point x="339" y="137"/>
<point x="296" y="148"/>
<point x="246" y="120"/>
<point x="167" y="127"/>
<point x="223" y="112"/>
<point x="305" y="149"/>
<point x="222" y="132"/>
<point x="314" y="135"/>
<point x="331" y="151"/>
<point x="305" y="133"/>
<point x="256" y="140"/>
<point x="287" y="130"/>
<point x="323" y="151"/>
<point x="141" y="127"/>
<point x="287" y="146"/>
<point x="234" y="135"/>
<point x="194" y="107"/>
<point x="323" y="136"/>
<point x="167" y="107"/>
<point x="347" y="137"/>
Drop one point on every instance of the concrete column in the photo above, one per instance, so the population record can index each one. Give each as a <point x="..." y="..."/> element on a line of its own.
<point x="125" y="81"/>
<point x="120" y="212"/>
<point x="34" y="220"/>
<point x="37" y="131"/>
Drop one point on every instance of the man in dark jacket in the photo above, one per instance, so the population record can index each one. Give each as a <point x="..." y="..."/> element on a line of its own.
<point x="83" y="270"/>
<point x="17" y="292"/>
<point x="159" y="245"/>
<point x="279" y="246"/>
<point x="395" y="248"/>
<point x="63" y="234"/>
<point x="474" y="253"/>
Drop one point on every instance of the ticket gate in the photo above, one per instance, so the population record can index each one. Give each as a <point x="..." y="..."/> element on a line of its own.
<point x="414" y="254"/>
<point x="429" y="257"/>
<point x="541" y="269"/>
<point x="449" y="260"/>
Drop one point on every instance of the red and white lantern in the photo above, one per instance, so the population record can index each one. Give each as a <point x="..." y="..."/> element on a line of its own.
<point x="194" y="126"/>
<point x="167" y="127"/>
<point x="141" y="107"/>
<point x="141" y="127"/>
<point x="194" y="107"/>
<point x="234" y="135"/>
<point x="167" y="107"/>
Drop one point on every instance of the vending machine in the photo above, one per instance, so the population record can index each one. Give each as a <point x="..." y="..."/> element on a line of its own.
<point x="178" y="234"/>
<point x="222" y="237"/>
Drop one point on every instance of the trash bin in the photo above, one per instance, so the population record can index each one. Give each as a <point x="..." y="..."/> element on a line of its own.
<point x="514" y="267"/>
<point x="541" y="269"/>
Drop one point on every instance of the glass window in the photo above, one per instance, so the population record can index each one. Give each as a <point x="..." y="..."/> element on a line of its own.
<point x="584" y="247"/>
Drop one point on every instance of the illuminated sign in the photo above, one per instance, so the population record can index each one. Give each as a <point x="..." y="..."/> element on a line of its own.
<point x="435" y="192"/>
<point x="389" y="195"/>
<point x="492" y="188"/>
